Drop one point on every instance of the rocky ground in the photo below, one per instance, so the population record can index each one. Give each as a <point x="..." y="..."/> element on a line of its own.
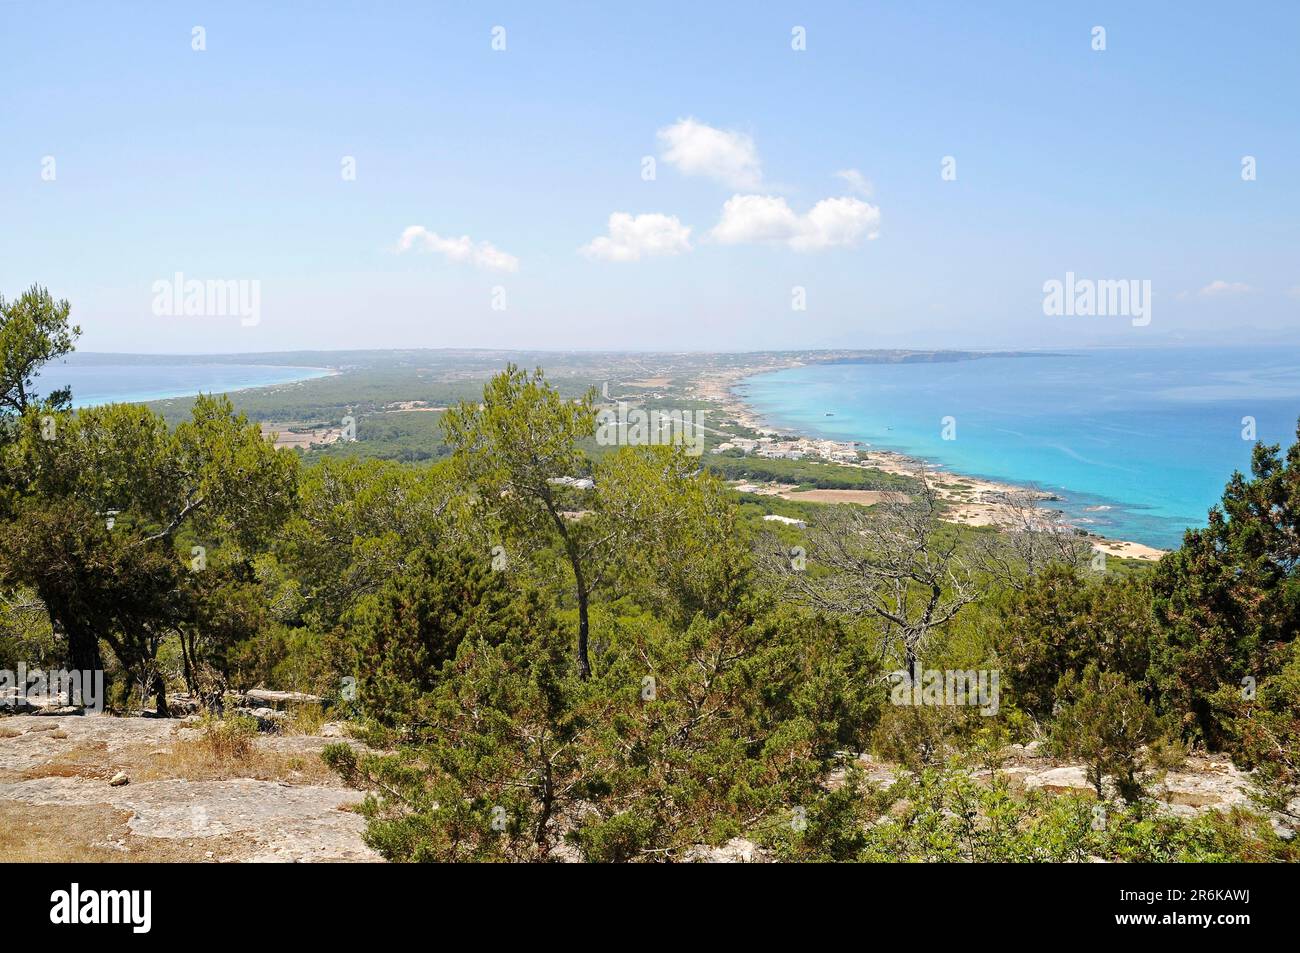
<point x="1200" y="784"/>
<point x="101" y="788"/>
<point x="96" y="787"/>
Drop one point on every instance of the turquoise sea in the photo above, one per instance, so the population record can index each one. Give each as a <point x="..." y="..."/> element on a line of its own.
<point x="1138" y="442"/>
<point x="105" y="379"/>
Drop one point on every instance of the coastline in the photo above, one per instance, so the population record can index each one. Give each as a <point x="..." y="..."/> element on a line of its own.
<point x="973" y="501"/>
<point x="317" y="374"/>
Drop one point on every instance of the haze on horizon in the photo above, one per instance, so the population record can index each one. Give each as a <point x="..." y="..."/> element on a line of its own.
<point x="406" y="177"/>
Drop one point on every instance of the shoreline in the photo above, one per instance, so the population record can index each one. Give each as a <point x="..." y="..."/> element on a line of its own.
<point x="189" y="395"/>
<point x="974" y="500"/>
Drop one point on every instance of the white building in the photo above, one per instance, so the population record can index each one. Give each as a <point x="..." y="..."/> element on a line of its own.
<point x="787" y="520"/>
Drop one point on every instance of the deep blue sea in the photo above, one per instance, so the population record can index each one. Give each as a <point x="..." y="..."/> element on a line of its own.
<point x="1138" y="442"/>
<point x="99" y="382"/>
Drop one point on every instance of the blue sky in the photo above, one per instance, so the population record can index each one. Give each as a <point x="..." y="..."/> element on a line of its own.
<point x="226" y="164"/>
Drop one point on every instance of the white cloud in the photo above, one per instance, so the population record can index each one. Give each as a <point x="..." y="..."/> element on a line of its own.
<point x="767" y="218"/>
<point x="857" y="182"/>
<point x="1220" y="287"/>
<point x="630" y="237"/>
<point x="694" y="148"/>
<point x="463" y="249"/>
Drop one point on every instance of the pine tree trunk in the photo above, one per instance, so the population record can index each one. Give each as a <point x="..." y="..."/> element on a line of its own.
<point x="160" y="689"/>
<point x="83" y="653"/>
<point x="584" y="664"/>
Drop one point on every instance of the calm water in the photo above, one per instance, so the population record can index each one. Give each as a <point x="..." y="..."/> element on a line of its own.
<point x="1139" y="442"/>
<point x="105" y="383"/>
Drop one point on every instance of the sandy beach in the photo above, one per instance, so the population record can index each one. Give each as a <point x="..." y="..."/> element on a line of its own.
<point x="973" y="501"/>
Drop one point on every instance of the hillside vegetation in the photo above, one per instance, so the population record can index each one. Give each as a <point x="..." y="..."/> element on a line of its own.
<point x="642" y="669"/>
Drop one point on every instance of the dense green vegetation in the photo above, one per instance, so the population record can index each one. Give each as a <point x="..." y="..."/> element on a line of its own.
<point x="637" y="669"/>
<point x="806" y="474"/>
<point x="406" y="437"/>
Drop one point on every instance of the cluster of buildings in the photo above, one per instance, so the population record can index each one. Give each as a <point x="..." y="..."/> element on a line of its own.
<point x="795" y="448"/>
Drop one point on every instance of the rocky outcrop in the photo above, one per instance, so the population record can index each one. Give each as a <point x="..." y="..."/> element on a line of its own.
<point x="735" y="851"/>
<point x="268" y="719"/>
<point x="74" y="763"/>
<point x="274" y="699"/>
<point x="15" y="702"/>
<point x="285" y="823"/>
